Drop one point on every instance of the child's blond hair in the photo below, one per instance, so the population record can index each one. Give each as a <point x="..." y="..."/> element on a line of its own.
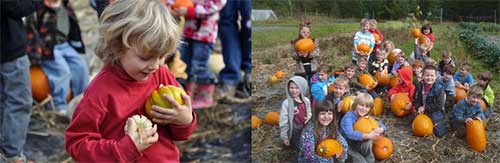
<point x="475" y="91"/>
<point x="341" y="82"/>
<point x="388" y="43"/>
<point x="446" y="54"/>
<point x="465" y="66"/>
<point x="431" y="61"/>
<point x="363" y="99"/>
<point x="373" y="23"/>
<point x="362" y="59"/>
<point x="144" y="24"/>
<point x="363" y="22"/>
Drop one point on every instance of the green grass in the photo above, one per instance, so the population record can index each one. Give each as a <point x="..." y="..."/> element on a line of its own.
<point x="445" y="40"/>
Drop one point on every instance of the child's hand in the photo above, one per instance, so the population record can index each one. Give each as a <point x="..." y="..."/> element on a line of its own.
<point x="286" y="142"/>
<point x="306" y="120"/>
<point x="421" y="110"/>
<point x="302" y="54"/>
<point x="178" y="115"/>
<point x="379" y="130"/>
<point x="142" y="138"/>
<point x="467" y="120"/>
<point x="478" y="118"/>
<point x="408" y="106"/>
<point x="372" y="135"/>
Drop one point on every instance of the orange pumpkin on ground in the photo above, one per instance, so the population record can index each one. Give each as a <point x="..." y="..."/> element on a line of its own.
<point x="394" y="80"/>
<point x="156" y="98"/>
<point x="415" y="32"/>
<point x="346" y="104"/>
<point x="382" y="148"/>
<point x="182" y="3"/>
<point x="476" y="135"/>
<point x="460" y="94"/>
<point x="305" y="45"/>
<point x="328" y="148"/>
<point x="483" y="105"/>
<point x="383" y="78"/>
<point x="367" y="80"/>
<point x="366" y="124"/>
<point x="272" y="118"/>
<point x="363" y="47"/>
<point x="256" y="122"/>
<point x="39" y="83"/>
<point x="399" y="103"/>
<point x="280" y="74"/>
<point x="273" y="80"/>
<point x="422" y="125"/>
<point x="378" y="107"/>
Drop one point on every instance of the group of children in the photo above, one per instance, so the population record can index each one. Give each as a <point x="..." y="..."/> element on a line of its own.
<point x="429" y="85"/>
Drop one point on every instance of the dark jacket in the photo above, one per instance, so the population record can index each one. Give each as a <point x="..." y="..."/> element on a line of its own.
<point x="434" y="100"/>
<point x="12" y="31"/>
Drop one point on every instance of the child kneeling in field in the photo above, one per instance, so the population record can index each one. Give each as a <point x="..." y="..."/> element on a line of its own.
<point x="360" y="144"/>
<point x="135" y="37"/>
<point x="295" y="111"/>
<point x="322" y="126"/>
<point x="467" y="109"/>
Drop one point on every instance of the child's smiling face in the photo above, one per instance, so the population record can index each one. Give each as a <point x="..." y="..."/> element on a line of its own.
<point x="429" y="76"/>
<point x="294" y="90"/>
<point x="362" y="110"/>
<point x="349" y="73"/>
<point x="325" y="117"/>
<point x="139" y="65"/>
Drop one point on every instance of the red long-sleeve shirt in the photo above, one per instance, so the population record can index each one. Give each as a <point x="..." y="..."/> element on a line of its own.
<point x="96" y="133"/>
<point x="404" y="87"/>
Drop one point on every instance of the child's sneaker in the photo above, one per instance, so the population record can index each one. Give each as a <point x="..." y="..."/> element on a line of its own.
<point x="18" y="159"/>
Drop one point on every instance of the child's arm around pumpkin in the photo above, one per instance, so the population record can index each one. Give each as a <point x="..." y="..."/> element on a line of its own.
<point x="180" y="119"/>
<point x="347" y="126"/>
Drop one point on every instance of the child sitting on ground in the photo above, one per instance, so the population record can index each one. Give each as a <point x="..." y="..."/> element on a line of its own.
<point x="446" y="60"/>
<point x="417" y="66"/>
<point x="135" y="38"/>
<point x="446" y="81"/>
<point x="400" y="62"/>
<point x="360" y="144"/>
<point x="349" y="74"/>
<point x="322" y="126"/>
<point x="404" y="86"/>
<point x="463" y="78"/>
<point x="466" y="110"/>
<point x="295" y="111"/>
<point x="340" y="90"/>
<point x="483" y="80"/>
<point x="320" y="82"/>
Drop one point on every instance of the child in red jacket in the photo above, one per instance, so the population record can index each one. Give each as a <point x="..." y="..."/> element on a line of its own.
<point x="405" y="85"/>
<point x="136" y="36"/>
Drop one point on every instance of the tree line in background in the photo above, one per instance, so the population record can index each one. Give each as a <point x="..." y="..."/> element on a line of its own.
<point x="452" y="10"/>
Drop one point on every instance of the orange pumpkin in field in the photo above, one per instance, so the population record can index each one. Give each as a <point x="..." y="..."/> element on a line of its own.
<point x="423" y="40"/>
<point x="460" y="94"/>
<point x="382" y="148"/>
<point x="366" y="124"/>
<point x="476" y="135"/>
<point x="363" y="47"/>
<point x="399" y="103"/>
<point x="305" y="45"/>
<point x="422" y="125"/>
<point x="272" y="118"/>
<point x="182" y="3"/>
<point x="392" y="58"/>
<point x="328" y="148"/>
<point x="256" y="122"/>
<point x="280" y="74"/>
<point x="378" y="107"/>
<point x="415" y="32"/>
<point x="383" y="78"/>
<point x="367" y="80"/>
<point x="39" y="83"/>
<point x="483" y="104"/>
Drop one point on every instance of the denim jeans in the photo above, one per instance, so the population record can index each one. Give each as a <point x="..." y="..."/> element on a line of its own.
<point x="236" y="44"/>
<point x="66" y="67"/>
<point x="196" y="54"/>
<point x="438" y="119"/>
<point x="15" y="102"/>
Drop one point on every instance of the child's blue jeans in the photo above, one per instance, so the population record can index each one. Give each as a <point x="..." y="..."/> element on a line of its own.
<point x="15" y="105"/>
<point x="68" y="66"/>
<point x="196" y="54"/>
<point x="236" y="44"/>
<point x="438" y="120"/>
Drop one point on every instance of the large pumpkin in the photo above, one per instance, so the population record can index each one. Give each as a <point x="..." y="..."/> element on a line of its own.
<point x="305" y="45"/>
<point x="382" y="147"/>
<point x="272" y="118"/>
<point x="157" y="99"/>
<point x="378" y="107"/>
<point x="328" y="148"/>
<point x="423" y="40"/>
<point x="39" y="83"/>
<point x="460" y="94"/>
<point x="392" y="57"/>
<point x="415" y="32"/>
<point x="483" y="105"/>
<point x="182" y="3"/>
<point x="399" y="103"/>
<point x="367" y="80"/>
<point x="476" y="135"/>
<point x="422" y="125"/>
<point x="363" y="47"/>
<point x="256" y="122"/>
<point x="366" y="124"/>
<point x="383" y="78"/>
<point x="346" y="104"/>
